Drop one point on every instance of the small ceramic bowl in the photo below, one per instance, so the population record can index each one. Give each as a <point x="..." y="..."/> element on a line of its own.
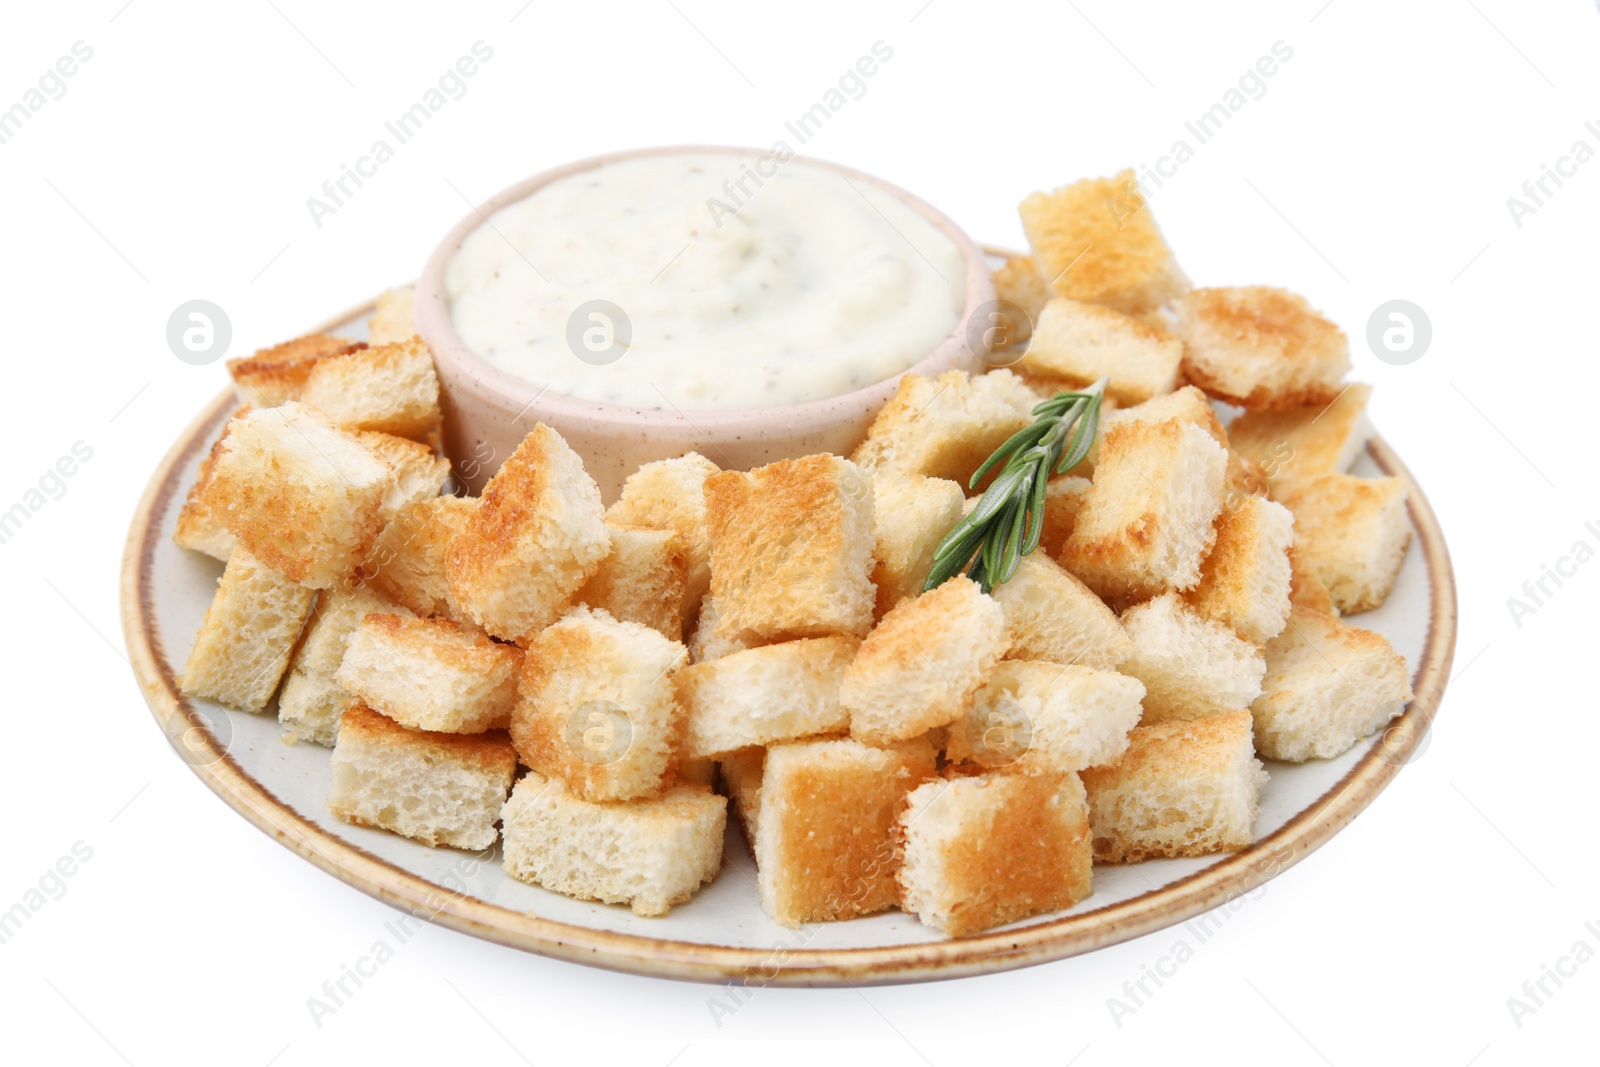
<point x="488" y="411"/>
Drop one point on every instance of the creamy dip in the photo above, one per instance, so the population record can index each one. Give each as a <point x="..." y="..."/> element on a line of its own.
<point x="705" y="281"/>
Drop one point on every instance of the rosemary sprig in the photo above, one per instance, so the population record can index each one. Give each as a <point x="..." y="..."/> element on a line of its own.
<point x="1005" y="524"/>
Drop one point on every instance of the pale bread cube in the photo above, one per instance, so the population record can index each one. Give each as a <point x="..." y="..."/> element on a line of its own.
<point x="670" y="495"/>
<point x="1244" y="582"/>
<point x="989" y="850"/>
<point x="1054" y="616"/>
<point x="918" y="667"/>
<point x="391" y="388"/>
<point x="431" y="674"/>
<point x="1353" y="533"/>
<point x="1190" y="666"/>
<point x="392" y="320"/>
<point x="764" y="695"/>
<point x="1181" y="789"/>
<point x="1063" y="499"/>
<point x="1080" y="343"/>
<point x="276" y="375"/>
<point x="1300" y="443"/>
<point x="312" y="699"/>
<point x="945" y="427"/>
<point x="1187" y="404"/>
<point x="649" y="854"/>
<point x="440" y="789"/>
<point x="1017" y="282"/>
<point x="419" y="472"/>
<point x="1261" y="348"/>
<point x="407" y="561"/>
<point x="642" y="579"/>
<point x="247" y="636"/>
<point x="199" y="529"/>
<point x="911" y="517"/>
<point x="704" y="645"/>
<point x="1034" y="717"/>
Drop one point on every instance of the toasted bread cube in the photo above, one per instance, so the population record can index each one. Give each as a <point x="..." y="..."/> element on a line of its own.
<point x="1181" y="789"/>
<point x="791" y="549"/>
<point x="912" y="515"/>
<point x="277" y="375"/>
<point x="777" y="693"/>
<point x="1081" y="343"/>
<point x="200" y="529"/>
<point x="1146" y="525"/>
<point x="988" y="850"/>
<point x="440" y="789"/>
<point x="537" y="534"/>
<point x="1306" y="591"/>
<point x="1190" y="665"/>
<point x="1261" y="348"/>
<point x="248" y="635"/>
<point x="1244" y="582"/>
<point x="1096" y="241"/>
<point x="918" y="667"/>
<point x="945" y="427"/>
<point x="431" y="674"/>
<point x="650" y="854"/>
<point x="741" y="780"/>
<point x="824" y="848"/>
<point x="642" y="579"/>
<point x="704" y="645"/>
<point x="419" y="473"/>
<point x="1305" y="442"/>
<point x="1353" y="533"/>
<point x="1054" y="616"/>
<point x="392" y="318"/>
<point x="407" y="561"/>
<point x="1187" y="404"/>
<point x="301" y="495"/>
<point x="670" y="495"/>
<point x="1017" y="282"/>
<point x="390" y="388"/>
<point x="598" y="708"/>
<point x="1063" y="499"/>
<point x="312" y="699"/>
<point x="1328" y="685"/>
<point x="1034" y="717"/>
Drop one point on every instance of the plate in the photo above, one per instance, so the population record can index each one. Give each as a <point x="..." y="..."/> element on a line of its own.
<point x="722" y="934"/>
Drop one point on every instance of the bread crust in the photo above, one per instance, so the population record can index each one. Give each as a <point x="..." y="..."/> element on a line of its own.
<point x="278" y="374"/>
<point x="1261" y="348"/>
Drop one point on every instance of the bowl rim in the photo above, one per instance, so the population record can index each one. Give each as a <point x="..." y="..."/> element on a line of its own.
<point x="464" y="367"/>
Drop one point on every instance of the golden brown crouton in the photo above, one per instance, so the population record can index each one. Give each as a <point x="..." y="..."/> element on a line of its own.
<point x="389" y="388"/>
<point x="642" y="579"/>
<point x="1261" y="348"/>
<point x="759" y="696"/>
<point x="248" y="634"/>
<point x="198" y="528"/>
<point x="1305" y="442"/>
<point x="945" y="427"/>
<point x="312" y="699"/>
<point x="670" y="495"/>
<point x="1190" y="666"/>
<point x="419" y="472"/>
<point x="1244" y="582"/>
<point x="1054" y="616"/>
<point x="431" y="674"/>
<point x="392" y="319"/>
<point x="912" y="515"/>
<point x="1035" y="717"/>
<point x="277" y="375"/>
<point x="1080" y="343"/>
<point x="1063" y="498"/>
<point x="1017" y="283"/>
<point x="1353" y="534"/>
<point x="407" y="562"/>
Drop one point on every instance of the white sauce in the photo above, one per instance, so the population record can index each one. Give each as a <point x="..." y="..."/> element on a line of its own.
<point x="798" y="285"/>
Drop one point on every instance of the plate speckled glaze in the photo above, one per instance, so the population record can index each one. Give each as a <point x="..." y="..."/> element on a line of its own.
<point x="722" y="934"/>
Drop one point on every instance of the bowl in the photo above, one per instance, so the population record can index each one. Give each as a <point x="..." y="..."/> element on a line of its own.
<point x="488" y="411"/>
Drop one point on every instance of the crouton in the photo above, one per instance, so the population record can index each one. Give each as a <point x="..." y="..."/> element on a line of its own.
<point x="1187" y="404"/>
<point x="1305" y="442"/>
<point x="199" y="529"/>
<point x="391" y="388"/>
<point x="824" y="848"/>
<point x="989" y="850"/>
<point x="247" y="636"/>
<point x="1146" y="524"/>
<point x="407" y="561"/>
<point x="670" y="495"/>
<point x="911" y="516"/>
<point x="642" y="579"/>
<point x="778" y="693"/>
<point x="1261" y="348"/>
<point x="1017" y="283"/>
<point x="431" y="674"/>
<point x="392" y="319"/>
<point x="419" y="473"/>
<point x="597" y="706"/>
<point x="312" y="699"/>
<point x="741" y="780"/>
<point x="1081" y="343"/>
<point x="276" y="375"/>
<point x="1054" y="616"/>
<point x="919" y="665"/>
<point x="1190" y="666"/>
<point x="536" y="536"/>
<point x="1306" y="590"/>
<point x="1244" y="582"/>
<point x="440" y="789"/>
<point x="1096" y="241"/>
<point x="1034" y="717"/>
<point x="1353" y="533"/>
<point x="945" y="427"/>
<point x="302" y="496"/>
<point x="704" y="645"/>
<point x="649" y="854"/>
<point x="1327" y="686"/>
<point x="791" y="549"/>
<point x="1181" y="789"/>
<point x="1063" y="498"/>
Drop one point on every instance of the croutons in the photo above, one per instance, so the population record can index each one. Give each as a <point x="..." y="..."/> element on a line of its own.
<point x="536" y="536"/>
<point x="1244" y="582"/>
<point x="945" y="427"/>
<point x="912" y="515"/>
<point x="791" y="549"/>
<point x="1306" y="591"/>
<point x="278" y="374"/>
<point x="670" y="495"/>
<point x="823" y="844"/>
<point x="642" y="579"/>
<point x="989" y="850"/>
<point x="198" y="528"/>
<point x="1063" y="498"/>
<point x="1327" y="686"/>
<point x="407" y="561"/>
<point x="390" y="388"/>
<point x="1017" y="282"/>
<point x="919" y="666"/>
<point x="1187" y="404"/>
<point x="756" y="697"/>
<point x="1096" y="241"/>
<point x="597" y="706"/>
<point x="1305" y="442"/>
<point x="704" y="645"/>
<point x="431" y="674"/>
<point x="392" y="319"/>
<point x="1146" y="524"/>
<point x="1080" y="343"/>
<point x="1261" y="348"/>
<point x="302" y="496"/>
<point x="1181" y="789"/>
<point x="312" y="699"/>
<point x="440" y="789"/>
<point x="1033" y="717"/>
<point x="1054" y="616"/>
<point x="419" y="474"/>
<point x="248" y="634"/>
<point x="649" y="854"/>
<point x="1190" y="666"/>
<point x="741" y="780"/>
<point x="1352" y="533"/>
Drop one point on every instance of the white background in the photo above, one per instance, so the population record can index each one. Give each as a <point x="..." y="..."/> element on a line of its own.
<point x="1377" y="166"/>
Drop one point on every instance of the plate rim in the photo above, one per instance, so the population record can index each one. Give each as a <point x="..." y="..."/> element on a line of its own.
<point x="1226" y="879"/>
